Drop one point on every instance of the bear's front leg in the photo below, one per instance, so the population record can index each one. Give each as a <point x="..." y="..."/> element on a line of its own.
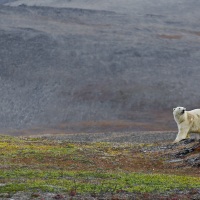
<point x="182" y="134"/>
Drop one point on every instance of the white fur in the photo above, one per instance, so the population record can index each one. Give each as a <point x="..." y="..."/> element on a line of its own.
<point x="187" y="122"/>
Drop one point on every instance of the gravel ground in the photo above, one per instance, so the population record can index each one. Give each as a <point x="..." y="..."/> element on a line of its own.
<point x="133" y="137"/>
<point x="176" y="195"/>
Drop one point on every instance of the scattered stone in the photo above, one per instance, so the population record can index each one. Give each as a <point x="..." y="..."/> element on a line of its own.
<point x="194" y="191"/>
<point x="5" y="195"/>
<point x="175" y="160"/>
<point x="59" y="196"/>
<point x="35" y="195"/>
<point x="72" y="193"/>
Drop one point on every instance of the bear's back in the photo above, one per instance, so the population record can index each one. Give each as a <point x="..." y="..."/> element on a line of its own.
<point x="194" y="112"/>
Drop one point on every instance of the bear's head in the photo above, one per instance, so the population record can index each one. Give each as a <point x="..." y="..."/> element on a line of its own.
<point x="179" y="110"/>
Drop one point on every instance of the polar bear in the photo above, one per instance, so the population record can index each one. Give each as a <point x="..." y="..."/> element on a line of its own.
<point x="187" y="122"/>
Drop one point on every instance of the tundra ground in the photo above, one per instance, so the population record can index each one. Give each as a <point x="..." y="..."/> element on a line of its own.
<point x="49" y="168"/>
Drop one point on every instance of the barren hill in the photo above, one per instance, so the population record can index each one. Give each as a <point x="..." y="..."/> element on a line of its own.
<point x="64" y="62"/>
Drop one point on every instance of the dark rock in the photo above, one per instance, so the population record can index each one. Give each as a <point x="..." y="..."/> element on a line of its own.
<point x="195" y="162"/>
<point x="184" y="152"/>
<point x="188" y="140"/>
<point x="187" y="150"/>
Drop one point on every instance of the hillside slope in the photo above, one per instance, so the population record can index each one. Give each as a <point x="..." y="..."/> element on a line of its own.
<point x="77" y="61"/>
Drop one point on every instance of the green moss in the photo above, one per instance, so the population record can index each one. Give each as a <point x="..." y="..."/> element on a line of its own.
<point x="84" y="182"/>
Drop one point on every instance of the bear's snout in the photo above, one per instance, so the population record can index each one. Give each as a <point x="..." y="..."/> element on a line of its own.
<point x="182" y="111"/>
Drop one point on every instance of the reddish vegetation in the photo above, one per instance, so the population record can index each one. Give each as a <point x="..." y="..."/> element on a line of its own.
<point x="145" y="121"/>
<point x="195" y="33"/>
<point x="170" y="36"/>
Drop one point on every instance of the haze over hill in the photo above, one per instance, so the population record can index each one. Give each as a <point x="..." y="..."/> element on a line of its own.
<point x="72" y="61"/>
